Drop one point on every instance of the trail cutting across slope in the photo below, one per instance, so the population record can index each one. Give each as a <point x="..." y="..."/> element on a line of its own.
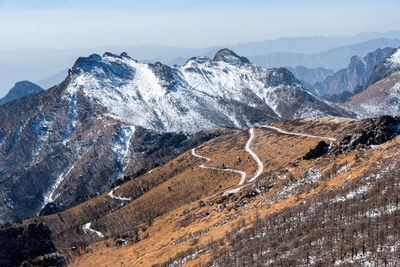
<point x="111" y="194"/>
<point x="242" y="173"/>
<point x="87" y="229"/>
<point x="298" y="134"/>
<point x="255" y="157"/>
<point x="260" y="168"/>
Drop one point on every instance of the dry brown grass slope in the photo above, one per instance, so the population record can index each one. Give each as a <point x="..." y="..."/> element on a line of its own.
<point x="186" y="224"/>
<point x="179" y="214"/>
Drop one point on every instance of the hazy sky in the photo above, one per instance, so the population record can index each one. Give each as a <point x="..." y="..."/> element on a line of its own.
<point x="191" y="23"/>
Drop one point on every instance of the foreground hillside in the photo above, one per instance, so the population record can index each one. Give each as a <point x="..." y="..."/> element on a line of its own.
<point x="309" y="191"/>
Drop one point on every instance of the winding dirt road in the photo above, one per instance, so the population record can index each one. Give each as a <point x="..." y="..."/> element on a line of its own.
<point x="242" y="173"/>
<point x="87" y="229"/>
<point x="111" y="194"/>
<point x="298" y="134"/>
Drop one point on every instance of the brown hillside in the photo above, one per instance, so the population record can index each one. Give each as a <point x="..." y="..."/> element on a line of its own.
<point x="179" y="213"/>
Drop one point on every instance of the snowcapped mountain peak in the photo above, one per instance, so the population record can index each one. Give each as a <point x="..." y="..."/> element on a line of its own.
<point x="204" y="94"/>
<point x="228" y="56"/>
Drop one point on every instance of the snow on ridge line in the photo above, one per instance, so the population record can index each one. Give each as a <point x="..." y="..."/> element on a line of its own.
<point x="298" y="134"/>
<point x="174" y="98"/>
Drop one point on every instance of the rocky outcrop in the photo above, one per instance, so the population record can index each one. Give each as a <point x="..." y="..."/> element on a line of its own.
<point x="320" y="149"/>
<point x="165" y="74"/>
<point x="370" y="132"/>
<point x="228" y="56"/>
<point x="373" y="132"/>
<point x="55" y="259"/>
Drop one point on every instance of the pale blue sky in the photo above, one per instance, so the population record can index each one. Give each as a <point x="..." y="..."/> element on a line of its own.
<point x="191" y="23"/>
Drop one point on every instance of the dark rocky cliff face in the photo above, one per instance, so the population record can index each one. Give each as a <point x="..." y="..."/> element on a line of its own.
<point x="22" y="244"/>
<point x="373" y="132"/>
<point x="370" y="132"/>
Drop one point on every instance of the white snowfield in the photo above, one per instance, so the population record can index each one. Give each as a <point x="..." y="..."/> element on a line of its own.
<point x="111" y="194"/>
<point x="87" y="229"/>
<point x="298" y="134"/>
<point x="201" y="95"/>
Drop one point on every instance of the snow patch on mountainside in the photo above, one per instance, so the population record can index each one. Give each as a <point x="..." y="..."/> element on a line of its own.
<point x="388" y="104"/>
<point x="394" y="60"/>
<point x="203" y="94"/>
<point x="72" y="116"/>
<point x="307" y="112"/>
<point x="42" y="129"/>
<point x="121" y="144"/>
<point x="87" y="228"/>
<point x="50" y="195"/>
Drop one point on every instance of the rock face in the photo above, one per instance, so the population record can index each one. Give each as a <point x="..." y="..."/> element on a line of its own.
<point x="351" y="80"/>
<point x="55" y="259"/>
<point x="228" y="56"/>
<point x="370" y="132"/>
<point x="109" y="117"/>
<point x="19" y="244"/>
<point x="320" y="149"/>
<point x="385" y="68"/>
<point x="20" y="90"/>
<point x="382" y="93"/>
<point x="374" y="132"/>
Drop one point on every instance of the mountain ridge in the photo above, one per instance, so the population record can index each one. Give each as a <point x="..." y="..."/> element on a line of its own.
<point x="21" y="89"/>
<point x="106" y="120"/>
